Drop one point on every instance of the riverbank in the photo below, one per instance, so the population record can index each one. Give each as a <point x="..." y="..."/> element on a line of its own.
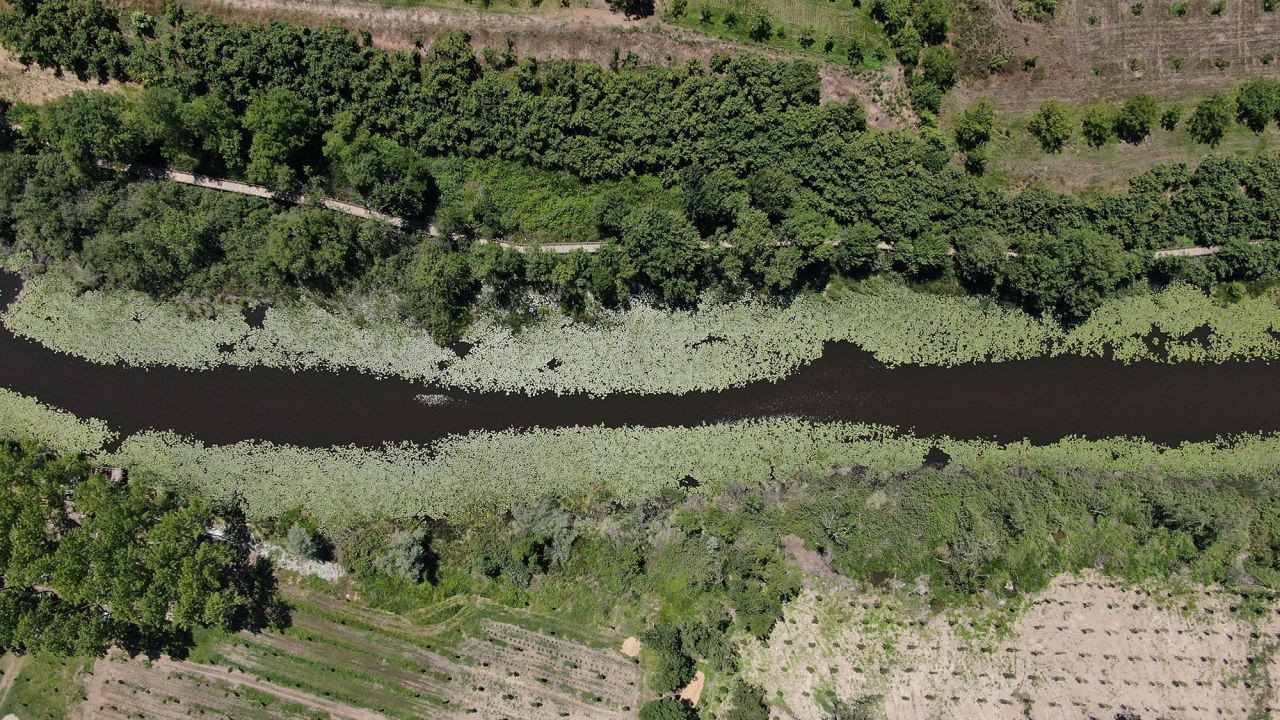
<point x="479" y="471"/>
<point x="643" y="350"/>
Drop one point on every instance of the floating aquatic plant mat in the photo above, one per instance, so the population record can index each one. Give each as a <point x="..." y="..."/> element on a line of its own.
<point x="643" y="349"/>
<point x="345" y="485"/>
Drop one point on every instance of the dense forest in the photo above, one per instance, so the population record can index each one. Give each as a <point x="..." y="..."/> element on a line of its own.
<point x="86" y="563"/>
<point x="730" y="178"/>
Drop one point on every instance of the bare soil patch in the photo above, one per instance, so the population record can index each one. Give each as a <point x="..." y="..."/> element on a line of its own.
<point x="1086" y="647"/>
<point x="692" y="692"/>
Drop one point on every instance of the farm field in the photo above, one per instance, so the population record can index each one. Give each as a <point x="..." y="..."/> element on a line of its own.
<point x="462" y="658"/>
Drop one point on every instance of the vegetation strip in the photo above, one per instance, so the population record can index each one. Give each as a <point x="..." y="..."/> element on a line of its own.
<point x="233" y="186"/>
<point x="644" y="349"/>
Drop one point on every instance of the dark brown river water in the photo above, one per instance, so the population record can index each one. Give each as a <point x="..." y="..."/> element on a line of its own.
<point x="1042" y="400"/>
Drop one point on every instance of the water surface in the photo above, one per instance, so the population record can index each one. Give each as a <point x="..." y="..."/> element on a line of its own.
<point x="1042" y="399"/>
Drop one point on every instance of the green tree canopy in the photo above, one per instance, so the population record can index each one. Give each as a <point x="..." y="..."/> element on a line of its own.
<point x="118" y="564"/>
<point x="1210" y="120"/>
<point x="1050" y="126"/>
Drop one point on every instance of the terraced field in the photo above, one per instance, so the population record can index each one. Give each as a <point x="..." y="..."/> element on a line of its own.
<point x="464" y="658"/>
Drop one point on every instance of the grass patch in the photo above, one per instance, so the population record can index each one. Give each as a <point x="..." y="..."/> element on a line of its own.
<point x="44" y="687"/>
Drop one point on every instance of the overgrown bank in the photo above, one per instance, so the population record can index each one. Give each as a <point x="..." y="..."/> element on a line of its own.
<point x="643" y="349"/>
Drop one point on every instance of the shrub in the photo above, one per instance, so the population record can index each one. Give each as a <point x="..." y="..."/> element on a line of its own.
<point x="1210" y="120"/>
<point x="1098" y="125"/>
<point x="1179" y="10"/>
<point x="1258" y="103"/>
<point x="1050" y="126"/>
<point x="1171" y="117"/>
<point x="974" y="124"/>
<point x="301" y="541"/>
<point x="1218" y="7"/>
<point x="1134" y="121"/>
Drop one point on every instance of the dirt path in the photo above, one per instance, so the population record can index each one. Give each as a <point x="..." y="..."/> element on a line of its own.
<point x="233" y="186"/>
<point x="10" y="665"/>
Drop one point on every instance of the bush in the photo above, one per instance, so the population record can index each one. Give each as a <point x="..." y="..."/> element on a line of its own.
<point x="1098" y="125"/>
<point x="1258" y="103"/>
<point x="973" y="126"/>
<point x="1171" y="117"/>
<point x="303" y="542"/>
<point x="1134" y="121"/>
<point x="667" y="708"/>
<point x="1050" y="126"/>
<point x="1210" y="120"/>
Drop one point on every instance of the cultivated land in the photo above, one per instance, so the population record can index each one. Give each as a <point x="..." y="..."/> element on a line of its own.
<point x="1086" y="647"/>
<point x="1122" y="53"/>
<point x="462" y="658"/>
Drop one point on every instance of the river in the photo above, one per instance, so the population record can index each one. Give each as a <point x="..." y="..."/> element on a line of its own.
<point x="1042" y="399"/>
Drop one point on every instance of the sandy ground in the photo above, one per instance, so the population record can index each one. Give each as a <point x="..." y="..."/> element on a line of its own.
<point x="1086" y="647"/>
<point x="631" y="647"/>
<point x="692" y="692"/>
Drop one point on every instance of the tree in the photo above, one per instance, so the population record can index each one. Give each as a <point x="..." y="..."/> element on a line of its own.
<point x="280" y="127"/>
<point x="665" y="249"/>
<point x="82" y="36"/>
<point x="386" y="176"/>
<point x="1098" y="125"/>
<point x="974" y="124"/>
<point x="1071" y="273"/>
<point x="86" y="127"/>
<point x="437" y="291"/>
<point x="136" y="566"/>
<point x="632" y="8"/>
<point x="746" y="702"/>
<point x="1171" y="117"/>
<point x="1134" y="121"/>
<point x="1258" y="103"/>
<point x="1210" y="120"/>
<point x="924" y="256"/>
<point x="672" y="668"/>
<point x="667" y="708"/>
<point x="938" y="65"/>
<point x="308" y="247"/>
<point x="930" y="18"/>
<point x="1050" y="126"/>
<point x="772" y="190"/>
<point x="980" y="257"/>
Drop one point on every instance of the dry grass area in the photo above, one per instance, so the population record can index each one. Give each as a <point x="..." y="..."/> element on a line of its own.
<point x="1120" y="54"/>
<point x="33" y="84"/>
<point x="1084" y="648"/>
<point x="342" y="660"/>
<point x="589" y="33"/>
